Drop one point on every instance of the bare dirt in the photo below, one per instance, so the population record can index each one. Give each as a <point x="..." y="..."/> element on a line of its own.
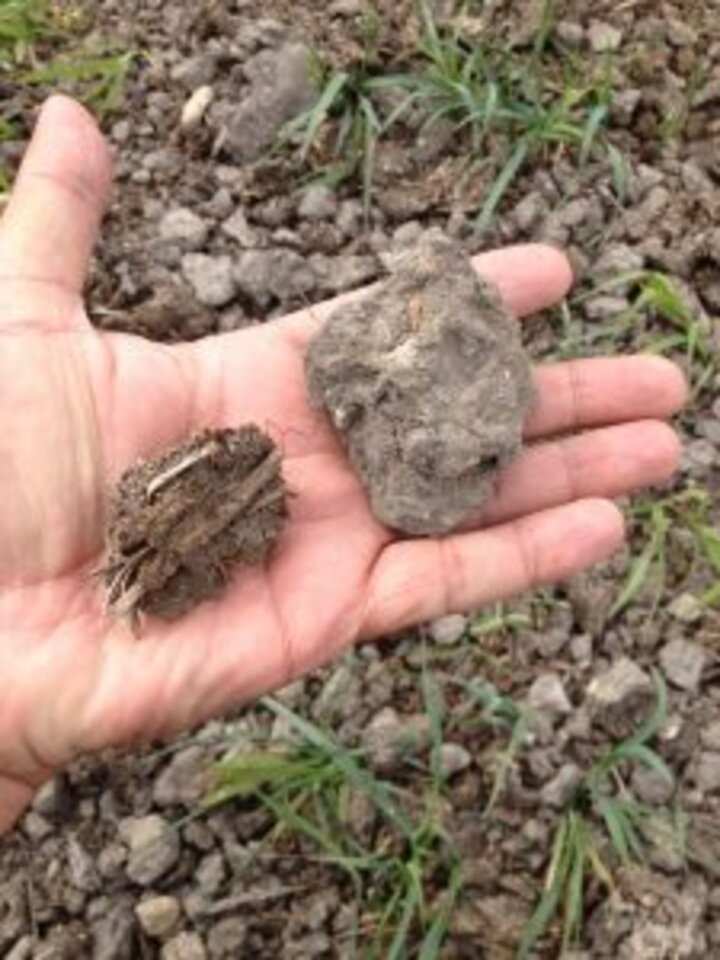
<point x="201" y="242"/>
<point x="429" y="385"/>
<point x="180" y="522"/>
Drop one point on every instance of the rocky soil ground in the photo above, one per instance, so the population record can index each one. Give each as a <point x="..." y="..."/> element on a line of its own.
<point x="209" y="233"/>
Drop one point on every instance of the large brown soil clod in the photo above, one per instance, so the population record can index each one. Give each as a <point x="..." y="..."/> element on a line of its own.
<point x="427" y="382"/>
<point x="181" y="521"/>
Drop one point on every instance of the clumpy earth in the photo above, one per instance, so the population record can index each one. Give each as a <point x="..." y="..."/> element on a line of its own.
<point x="180" y="522"/>
<point x="428" y="384"/>
<point x="112" y="862"/>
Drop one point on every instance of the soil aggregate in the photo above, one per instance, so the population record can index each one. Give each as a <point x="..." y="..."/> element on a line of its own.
<point x="180" y="522"/>
<point x="428" y="384"/>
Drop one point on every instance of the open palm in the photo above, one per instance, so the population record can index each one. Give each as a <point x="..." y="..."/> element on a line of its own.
<point x="77" y="407"/>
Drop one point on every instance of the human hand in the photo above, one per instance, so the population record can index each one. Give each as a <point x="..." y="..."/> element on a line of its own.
<point x="78" y="406"/>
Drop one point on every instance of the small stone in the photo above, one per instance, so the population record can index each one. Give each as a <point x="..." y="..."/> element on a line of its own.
<point x="570" y="33"/>
<point x="707" y="775"/>
<point x="530" y="211"/>
<point x="699" y="456"/>
<point x="389" y="738"/>
<point x="680" y="34"/>
<point x="227" y="938"/>
<point x="158" y="916"/>
<point x="195" y="72"/>
<point x="111" y="861"/>
<point x="683" y="662"/>
<point x="212" y="278"/>
<point x="686" y="609"/>
<point x="652" y="786"/>
<point x="620" y="699"/>
<point x="318" y="203"/>
<point x="53" y="799"/>
<point x="83" y="872"/>
<point x="454" y="758"/>
<point x="185" y="780"/>
<point x="604" y="307"/>
<point x="195" y="108"/>
<point x="23" y="949"/>
<point x="282" y="86"/>
<point x="267" y="275"/>
<point x="581" y="649"/>
<point x="210" y="875"/>
<point x="710" y="736"/>
<point x="240" y="230"/>
<point x="339" y="697"/>
<point x="185" y="946"/>
<point x="154" y="848"/>
<point x="185" y="228"/>
<point x="559" y="791"/>
<point x="114" y="936"/>
<point x="547" y="695"/>
<point x="349" y="219"/>
<point x="447" y="631"/>
<point x="604" y="38"/>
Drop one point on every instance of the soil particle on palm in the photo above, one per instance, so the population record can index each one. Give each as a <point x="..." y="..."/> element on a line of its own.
<point x="428" y="384"/>
<point x="181" y="521"/>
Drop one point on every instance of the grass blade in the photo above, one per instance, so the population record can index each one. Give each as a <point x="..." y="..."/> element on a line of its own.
<point x="501" y="185"/>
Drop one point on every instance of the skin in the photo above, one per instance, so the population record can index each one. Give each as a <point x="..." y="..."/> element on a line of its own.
<point x="78" y="406"/>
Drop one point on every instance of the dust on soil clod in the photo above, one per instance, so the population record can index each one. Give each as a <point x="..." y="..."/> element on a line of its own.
<point x="179" y="522"/>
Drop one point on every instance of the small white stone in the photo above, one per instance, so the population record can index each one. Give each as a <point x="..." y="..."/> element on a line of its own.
<point x="604" y="38"/>
<point x="447" y="630"/>
<point x="196" y="107"/>
<point x="547" y="695"/>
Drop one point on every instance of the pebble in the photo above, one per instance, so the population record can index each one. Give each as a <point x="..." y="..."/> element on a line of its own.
<point x="447" y="631"/>
<point x="23" y="949"/>
<point x="185" y="946"/>
<point x="710" y="736"/>
<point x="195" y="72"/>
<point x="561" y="789"/>
<point x="699" y="456"/>
<point x="707" y="775"/>
<point x="158" y="916"/>
<point x="210" y="875"/>
<point x="83" y="872"/>
<point x="530" y="211"/>
<point x="620" y="698"/>
<point x="114" y="936"/>
<point x="604" y="38"/>
<point x="53" y="799"/>
<point x="212" y="278"/>
<point x="652" y="786"/>
<point x="280" y="274"/>
<point x="581" y="649"/>
<point x="195" y="108"/>
<point x="227" y="938"/>
<point x="318" y="202"/>
<point x="282" y="86"/>
<point x="389" y="738"/>
<point x="154" y="848"/>
<point x="237" y="227"/>
<point x="683" y="662"/>
<point x="184" y="227"/>
<point x="340" y="697"/>
<point x="547" y="695"/>
<point x="454" y="758"/>
<point x="686" y="609"/>
<point x="185" y="780"/>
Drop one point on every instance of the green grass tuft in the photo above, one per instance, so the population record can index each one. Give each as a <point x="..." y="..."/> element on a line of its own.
<point x="603" y="825"/>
